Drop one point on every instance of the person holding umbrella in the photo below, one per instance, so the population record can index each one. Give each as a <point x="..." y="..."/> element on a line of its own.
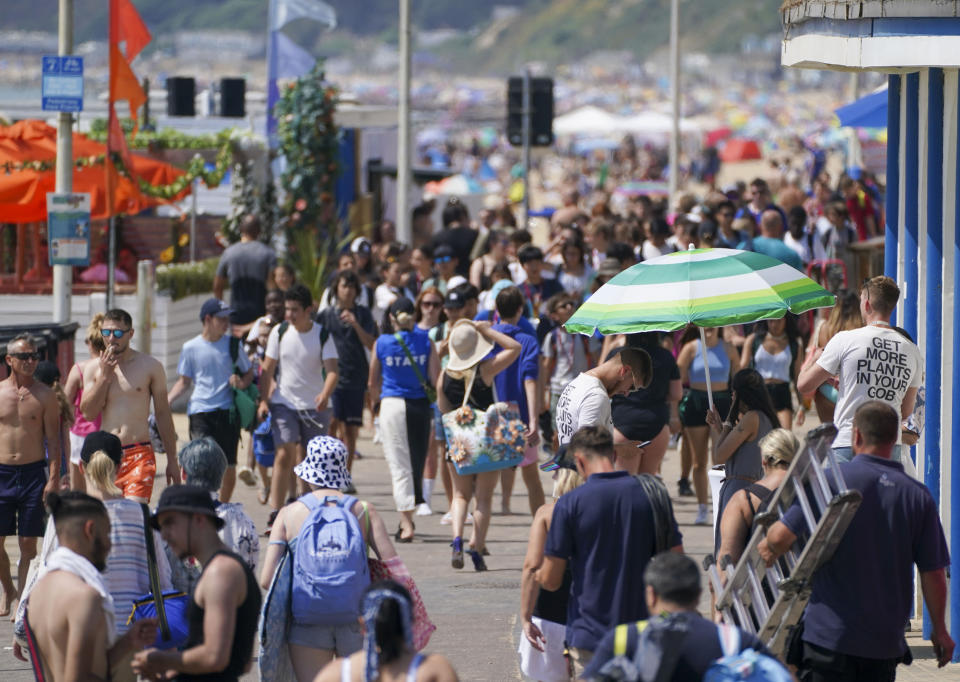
<point x="722" y="362"/>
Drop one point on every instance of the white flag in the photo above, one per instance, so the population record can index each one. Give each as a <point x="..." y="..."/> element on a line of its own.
<point x="286" y="11"/>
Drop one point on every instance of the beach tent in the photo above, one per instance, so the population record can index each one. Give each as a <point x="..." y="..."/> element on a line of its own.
<point x="23" y="191"/>
<point x="740" y="149"/>
<point x="587" y="120"/>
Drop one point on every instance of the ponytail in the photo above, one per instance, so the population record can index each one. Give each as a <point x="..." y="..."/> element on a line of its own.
<point x="102" y="471"/>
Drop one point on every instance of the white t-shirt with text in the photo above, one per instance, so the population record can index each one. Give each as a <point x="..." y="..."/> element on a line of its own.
<point x="584" y="402"/>
<point x="301" y="365"/>
<point x="870" y="363"/>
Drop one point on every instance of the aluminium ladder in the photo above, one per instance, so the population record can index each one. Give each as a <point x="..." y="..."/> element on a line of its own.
<point x="769" y="601"/>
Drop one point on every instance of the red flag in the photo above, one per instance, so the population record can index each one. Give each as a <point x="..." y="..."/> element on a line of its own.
<point x="124" y="83"/>
<point x="131" y="28"/>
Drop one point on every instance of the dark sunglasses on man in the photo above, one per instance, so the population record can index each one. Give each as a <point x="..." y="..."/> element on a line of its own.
<point x="25" y="356"/>
<point x="117" y="333"/>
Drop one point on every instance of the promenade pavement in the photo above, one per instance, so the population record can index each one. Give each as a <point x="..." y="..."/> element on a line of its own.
<point x="476" y="614"/>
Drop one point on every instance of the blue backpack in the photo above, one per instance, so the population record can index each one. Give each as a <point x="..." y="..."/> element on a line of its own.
<point x="330" y="570"/>
<point x="748" y="664"/>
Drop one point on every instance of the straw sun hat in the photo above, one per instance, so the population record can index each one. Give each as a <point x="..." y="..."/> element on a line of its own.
<point x="467" y="346"/>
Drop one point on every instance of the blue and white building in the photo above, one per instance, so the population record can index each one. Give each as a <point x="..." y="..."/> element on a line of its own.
<point x="917" y="43"/>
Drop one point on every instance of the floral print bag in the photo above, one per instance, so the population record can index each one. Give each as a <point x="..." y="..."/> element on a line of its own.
<point x="484" y="440"/>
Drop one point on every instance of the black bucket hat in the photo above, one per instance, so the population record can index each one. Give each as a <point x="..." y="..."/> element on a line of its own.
<point x="189" y="499"/>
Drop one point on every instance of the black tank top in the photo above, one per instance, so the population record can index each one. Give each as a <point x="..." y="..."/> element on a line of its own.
<point x="552" y="606"/>
<point x="248" y="613"/>
<point x="481" y="395"/>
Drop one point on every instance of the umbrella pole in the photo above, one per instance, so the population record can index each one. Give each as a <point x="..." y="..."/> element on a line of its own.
<point x="706" y="366"/>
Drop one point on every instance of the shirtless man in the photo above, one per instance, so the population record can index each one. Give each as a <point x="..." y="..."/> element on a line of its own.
<point x="29" y="413"/>
<point x="75" y="638"/>
<point x="119" y="387"/>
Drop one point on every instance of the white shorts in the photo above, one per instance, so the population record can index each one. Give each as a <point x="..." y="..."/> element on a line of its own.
<point x="548" y="665"/>
<point x="76" y="445"/>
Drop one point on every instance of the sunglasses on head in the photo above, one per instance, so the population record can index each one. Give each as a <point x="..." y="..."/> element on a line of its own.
<point x="443" y="259"/>
<point x="28" y="355"/>
<point x="117" y="333"/>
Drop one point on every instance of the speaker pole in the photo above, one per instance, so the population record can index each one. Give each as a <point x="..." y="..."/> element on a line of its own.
<point x="63" y="274"/>
<point x="527" y="130"/>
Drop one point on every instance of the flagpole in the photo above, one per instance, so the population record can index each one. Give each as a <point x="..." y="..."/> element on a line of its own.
<point x="272" y="92"/>
<point x="63" y="274"/>
<point x="404" y="232"/>
<point x="112" y="34"/>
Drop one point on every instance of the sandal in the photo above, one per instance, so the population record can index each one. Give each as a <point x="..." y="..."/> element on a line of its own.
<point x="399" y="537"/>
<point x="457" y="559"/>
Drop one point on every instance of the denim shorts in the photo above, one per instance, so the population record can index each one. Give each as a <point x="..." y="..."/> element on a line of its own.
<point x="438" y="432"/>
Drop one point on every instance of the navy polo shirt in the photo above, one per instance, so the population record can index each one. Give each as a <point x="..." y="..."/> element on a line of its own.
<point x="700" y="648"/>
<point x="605" y="530"/>
<point x="862" y="597"/>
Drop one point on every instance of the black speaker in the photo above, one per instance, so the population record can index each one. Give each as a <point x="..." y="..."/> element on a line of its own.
<point x="233" y="93"/>
<point x="181" y="92"/>
<point x="541" y="105"/>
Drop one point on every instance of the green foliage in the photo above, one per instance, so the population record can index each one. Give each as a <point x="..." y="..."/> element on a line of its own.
<point x="165" y="138"/>
<point x="179" y="280"/>
<point x="309" y="139"/>
<point x="249" y="198"/>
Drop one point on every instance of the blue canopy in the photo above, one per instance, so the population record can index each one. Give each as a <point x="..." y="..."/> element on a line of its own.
<point x="866" y="112"/>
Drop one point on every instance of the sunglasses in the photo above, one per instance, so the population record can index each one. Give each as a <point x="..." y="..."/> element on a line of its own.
<point x="116" y="333"/>
<point x="443" y="259"/>
<point x="32" y="355"/>
<point x="430" y="304"/>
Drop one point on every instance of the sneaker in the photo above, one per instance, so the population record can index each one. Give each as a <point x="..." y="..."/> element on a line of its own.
<point x="478" y="563"/>
<point x="684" y="489"/>
<point x="246" y="475"/>
<point x="423" y="509"/>
<point x="456" y="559"/>
<point x="447" y="519"/>
<point x="349" y="489"/>
<point x="702" y="516"/>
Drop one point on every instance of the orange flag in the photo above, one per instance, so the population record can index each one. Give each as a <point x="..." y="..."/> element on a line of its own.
<point x="131" y="28"/>
<point x="124" y="83"/>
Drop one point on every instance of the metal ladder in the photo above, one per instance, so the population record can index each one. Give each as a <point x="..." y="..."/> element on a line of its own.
<point x="768" y="602"/>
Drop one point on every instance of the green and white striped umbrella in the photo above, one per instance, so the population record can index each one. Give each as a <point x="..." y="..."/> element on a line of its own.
<point x="704" y="287"/>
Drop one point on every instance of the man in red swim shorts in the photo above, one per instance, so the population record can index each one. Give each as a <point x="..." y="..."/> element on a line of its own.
<point x="120" y="387"/>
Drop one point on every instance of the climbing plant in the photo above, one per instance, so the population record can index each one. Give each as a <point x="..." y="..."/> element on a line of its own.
<point x="309" y="140"/>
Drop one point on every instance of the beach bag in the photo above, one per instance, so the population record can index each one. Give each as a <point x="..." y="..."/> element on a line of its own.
<point x="395" y="569"/>
<point x="484" y="440"/>
<point x="743" y="665"/>
<point x="263" y="447"/>
<point x="330" y="570"/>
<point x="169" y="608"/>
<point x="244" y="399"/>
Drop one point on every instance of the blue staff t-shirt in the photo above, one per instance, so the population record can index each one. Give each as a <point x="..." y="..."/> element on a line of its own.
<point x="605" y="531"/>
<point x="209" y="366"/>
<point x="509" y="382"/>
<point x="862" y="596"/>
<point x="399" y="379"/>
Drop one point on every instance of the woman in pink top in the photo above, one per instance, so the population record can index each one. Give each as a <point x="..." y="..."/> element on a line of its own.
<point x="74" y="391"/>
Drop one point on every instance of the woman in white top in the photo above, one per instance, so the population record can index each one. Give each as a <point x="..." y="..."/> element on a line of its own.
<point x="388" y="652"/>
<point x="775" y="350"/>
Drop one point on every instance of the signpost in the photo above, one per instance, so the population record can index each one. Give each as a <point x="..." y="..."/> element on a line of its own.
<point x="62" y="83"/>
<point x="68" y="228"/>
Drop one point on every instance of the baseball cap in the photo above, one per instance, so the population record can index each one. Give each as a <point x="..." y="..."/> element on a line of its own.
<point x="101" y="440"/>
<point x="455" y="300"/>
<point x="214" y="307"/>
<point x="360" y="245"/>
<point x="402" y="305"/>
<point x="443" y="251"/>
<point x="189" y="499"/>
<point x="707" y="230"/>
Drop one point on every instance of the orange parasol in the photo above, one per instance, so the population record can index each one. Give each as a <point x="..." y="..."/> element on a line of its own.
<point x="23" y="193"/>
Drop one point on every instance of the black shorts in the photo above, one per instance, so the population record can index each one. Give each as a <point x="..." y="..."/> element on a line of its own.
<point x="348" y="405"/>
<point x="21" y="499"/>
<point x="694" y="406"/>
<point x="221" y="428"/>
<point x="780" y="395"/>
<point x="640" y="424"/>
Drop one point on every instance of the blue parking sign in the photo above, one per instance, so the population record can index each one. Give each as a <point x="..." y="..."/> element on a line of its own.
<point x="62" y="83"/>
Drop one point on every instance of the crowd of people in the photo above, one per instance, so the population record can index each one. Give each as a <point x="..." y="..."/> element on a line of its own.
<point x="470" y="317"/>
